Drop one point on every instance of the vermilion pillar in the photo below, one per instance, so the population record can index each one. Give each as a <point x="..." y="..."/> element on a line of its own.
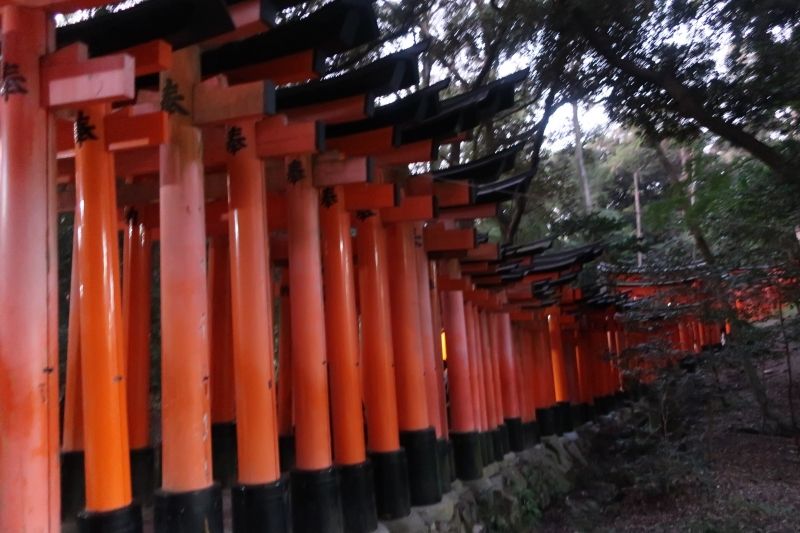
<point x="476" y="379"/>
<point x="223" y="401"/>
<point x="260" y="498"/>
<point x="586" y="369"/>
<point x="388" y="458"/>
<point x="104" y="388"/>
<point x="314" y="482"/>
<point x="528" y="373"/>
<point x="285" y="405"/>
<point x="188" y="500"/>
<point x="429" y="339"/>
<point x="417" y="436"/>
<point x="72" y="465"/>
<point x="559" y="369"/>
<point x="29" y="477"/>
<point x="463" y="423"/>
<point x="508" y="379"/>
<point x="569" y="343"/>
<point x="494" y="337"/>
<point x="494" y="401"/>
<point x="447" y="468"/>
<point x="341" y="327"/>
<point x="546" y="405"/>
<point x="136" y="303"/>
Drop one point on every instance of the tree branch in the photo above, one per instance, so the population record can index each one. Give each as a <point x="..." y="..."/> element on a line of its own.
<point x="686" y="103"/>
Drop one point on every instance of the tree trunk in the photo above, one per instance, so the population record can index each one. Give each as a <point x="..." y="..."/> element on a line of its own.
<point x="580" y="163"/>
<point x="686" y="104"/>
<point x="637" y="206"/>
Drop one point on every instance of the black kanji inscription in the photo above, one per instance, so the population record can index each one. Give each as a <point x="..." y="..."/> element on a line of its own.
<point x="83" y="130"/>
<point x="12" y="81"/>
<point x="236" y="140"/>
<point x="295" y="172"/>
<point x="328" y="197"/>
<point x="171" y="99"/>
<point x="364" y="214"/>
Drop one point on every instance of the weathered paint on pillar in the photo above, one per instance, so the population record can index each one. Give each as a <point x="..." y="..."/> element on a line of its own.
<point x="341" y="331"/>
<point x="408" y="356"/>
<point x="29" y="458"/>
<point x="185" y="404"/>
<point x="108" y="481"/>
<point x="378" y="358"/>
<point x="309" y="360"/>
<point x="251" y="312"/>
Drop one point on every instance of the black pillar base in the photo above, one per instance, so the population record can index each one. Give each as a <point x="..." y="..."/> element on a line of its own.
<point x="547" y="420"/>
<point x="487" y="448"/>
<point x="316" y="501"/>
<point x="452" y="461"/>
<point x="73" y="483"/>
<point x="358" y="497"/>
<point x="576" y="415"/>
<point x="603" y="405"/>
<point x="588" y="412"/>
<point x="505" y="439"/>
<point x="516" y="439"/>
<point x="223" y="451"/>
<point x="563" y="418"/>
<point x="286" y="452"/>
<point x="445" y="467"/>
<point x="125" y="520"/>
<point x="392" y="498"/>
<point x="143" y="474"/>
<point x="467" y="455"/>
<point x="497" y="443"/>
<point x="260" y="508"/>
<point x="532" y="433"/>
<point x="423" y="459"/>
<point x="188" y="512"/>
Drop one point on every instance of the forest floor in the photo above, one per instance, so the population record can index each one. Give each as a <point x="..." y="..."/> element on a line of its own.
<point x="715" y="469"/>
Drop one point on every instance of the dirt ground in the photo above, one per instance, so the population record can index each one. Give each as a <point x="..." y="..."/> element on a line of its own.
<point x="715" y="470"/>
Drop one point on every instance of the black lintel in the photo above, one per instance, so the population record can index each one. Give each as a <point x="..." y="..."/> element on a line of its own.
<point x="490" y="99"/>
<point x="179" y="22"/>
<point x="332" y="29"/>
<point x="384" y="76"/>
<point x="448" y="122"/>
<point x="502" y="191"/>
<point x="531" y="248"/>
<point x="481" y="170"/>
<point x="412" y="108"/>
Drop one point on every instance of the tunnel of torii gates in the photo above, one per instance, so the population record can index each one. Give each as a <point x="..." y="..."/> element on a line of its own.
<point x="204" y="126"/>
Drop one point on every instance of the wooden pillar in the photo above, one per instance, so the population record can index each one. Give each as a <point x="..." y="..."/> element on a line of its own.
<point x="417" y="436"/>
<point x="434" y="381"/>
<point x="223" y="401"/>
<point x="559" y="369"/>
<point x="314" y="480"/>
<point x="28" y="284"/>
<point x="188" y="500"/>
<point x="136" y="304"/>
<point x="431" y="325"/>
<point x="104" y="387"/>
<point x="259" y="499"/>
<point x="508" y="379"/>
<point x="478" y="383"/>
<point x="463" y="422"/>
<point x="73" y="495"/>
<point x="341" y="327"/>
<point x="383" y="440"/>
<point x="546" y="404"/>
<point x="285" y="404"/>
<point x="493" y="400"/>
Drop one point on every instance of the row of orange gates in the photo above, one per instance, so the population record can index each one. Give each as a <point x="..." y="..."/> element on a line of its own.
<point x="410" y="350"/>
